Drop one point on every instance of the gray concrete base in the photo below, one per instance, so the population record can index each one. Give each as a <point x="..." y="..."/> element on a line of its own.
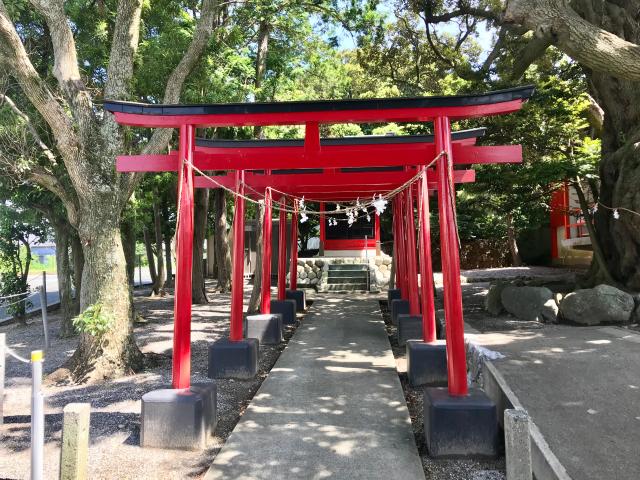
<point x="229" y="359"/>
<point x="398" y="306"/>
<point x="393" y="294"/>
<point x="409" y="328"/>
<point x="460" y="426"/>
<point x="427" y="363"/>
<point x="286" y="308"/>
<point x="267" y="328"/>
<point x="181" y="419"/>
<point x="299" y="297"/>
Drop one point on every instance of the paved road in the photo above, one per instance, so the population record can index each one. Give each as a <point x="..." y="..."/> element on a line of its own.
<point x="332" y="406"/>
<point x="581" y="387"/>
<point x="53" y="296"/>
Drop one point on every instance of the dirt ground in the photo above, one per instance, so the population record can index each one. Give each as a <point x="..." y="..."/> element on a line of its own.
<point x="115" y="406"/>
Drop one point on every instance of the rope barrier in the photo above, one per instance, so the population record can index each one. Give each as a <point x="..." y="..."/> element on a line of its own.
<point x="16" y="356"/>
<point x="28" y="292"/>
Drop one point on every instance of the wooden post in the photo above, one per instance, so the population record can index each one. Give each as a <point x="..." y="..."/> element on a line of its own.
<point x="74" y="453"/>
<point x="456" y="354"/>
<point x="426" y="269"/>
<point x="3" y="353"/>
<point x="282" y="251"/>
<point x="410" y="242"/>
<point x="237" y="285"/>
<point x="293" y="267"/>
<point x="267" y="232"/>
<point x="184" y="266"/>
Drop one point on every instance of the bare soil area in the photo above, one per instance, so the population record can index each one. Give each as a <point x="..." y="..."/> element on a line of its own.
<point x="115" y="406"/>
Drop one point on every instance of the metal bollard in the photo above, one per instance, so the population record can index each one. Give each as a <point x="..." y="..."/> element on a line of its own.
<point x="37" y="417"/>
<point x="3" y="341"/>
<point x="517" y="444"/>
<point x="45" y="322"/>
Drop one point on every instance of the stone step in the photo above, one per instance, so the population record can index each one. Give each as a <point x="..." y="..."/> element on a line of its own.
<point x="350" y="280"/>
<point x="347" y="273"/>
<point x="348" y="266"/>
<point x="347" y="287"/>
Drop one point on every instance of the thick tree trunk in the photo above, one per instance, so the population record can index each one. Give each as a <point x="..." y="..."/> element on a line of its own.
<point x="223" y="252"/>
<point x="168" y="261"/>
<point x="104" y="283"/>
<point x="129" y="245"/>
<point x="63" y="270"/>
<point x="516" y="261"/>
<point x="254" y="301"/>
<point x="77" y="256"/>
<point x="148" y="245"/>
<point x="158" y="285"/>
<point x="201" y="208"/>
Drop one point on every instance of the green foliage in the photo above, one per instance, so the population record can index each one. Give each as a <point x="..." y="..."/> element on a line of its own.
<point x="11" y="285"/>
<point x="93" y="320"/>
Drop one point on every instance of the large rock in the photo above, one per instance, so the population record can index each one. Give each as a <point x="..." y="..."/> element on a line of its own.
<point x="530" y="303"/>
<point x="602" y="304"/>
<point x="493" y="300"/>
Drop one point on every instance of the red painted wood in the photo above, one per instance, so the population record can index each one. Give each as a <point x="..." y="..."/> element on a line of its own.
<point x="293" y="266"/>
<point x="410" y="242"/>
<point x="147" y="163"/>
<point x="282" y="253"/>
<point x="426" y="269"/>
<point x="265" y="300"/>
<point x="456" y="354"/>
<point x="399" y="239"/>
<point x="349" y="244"/>
<point x="181" y="368"/>
<point x="299" y="118"/>
<point x="260" y="158"/>
<point x="322" y="183"/>
<point x="237" y="286"/>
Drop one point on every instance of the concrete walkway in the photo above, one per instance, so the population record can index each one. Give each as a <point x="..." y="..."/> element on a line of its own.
<point x="332" y="406"/>
<point x="581" y="387"/>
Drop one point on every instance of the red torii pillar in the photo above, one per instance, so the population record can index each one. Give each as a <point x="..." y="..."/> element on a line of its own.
<point x="426" y="269"/>
<point x="237" y="285"/>
<point x="410" y="242"/>
<point x="265" y="301"/>
<point x="456" y="355"/>
<point x="181" y="368"/>
<point x="293" y="268"/>
<point x="400" y="250"/>
<point x="282" y="251"/>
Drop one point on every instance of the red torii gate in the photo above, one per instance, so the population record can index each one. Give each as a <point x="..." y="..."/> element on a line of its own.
<point x="315" y="153"/>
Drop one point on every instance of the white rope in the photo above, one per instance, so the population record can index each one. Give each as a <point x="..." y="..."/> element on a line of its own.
<point x="15" y="355"/>
<point x="4" y="305"/>
<point x="28" y="292"/>
<point x="348" y="206"/>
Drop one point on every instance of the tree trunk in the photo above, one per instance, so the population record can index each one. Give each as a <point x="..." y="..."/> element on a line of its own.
<point x="254" y="301"/>
<point x="63" y="271"/>
<point x="104" y="283"/>
<point x="392" y="276"/>
<point x="211" y="256"/>
<point x="148" y="245"/>
<point x="129" y="245"/>
<point x="77" y="256"/>
<point x="158" y="285"/>
<point x="516" y="261"/>
<point x="223" y="252"/>
<point x="168" y="261"/>
<point x="201" y="207"/>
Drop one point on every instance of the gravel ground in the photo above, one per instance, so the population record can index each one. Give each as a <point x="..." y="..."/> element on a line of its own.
<point x="114" y="451"/>
<point x="436" y="469"/>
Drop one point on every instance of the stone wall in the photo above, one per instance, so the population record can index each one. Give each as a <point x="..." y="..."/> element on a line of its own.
<point x="313" y="272"/>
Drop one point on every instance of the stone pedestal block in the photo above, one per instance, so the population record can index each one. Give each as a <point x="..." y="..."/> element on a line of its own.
<point x="229" y="359"/>
<point x="266" y="328"/>
<point x="286" y="308"/>
<point x="393" y="294"/>
<point x="427" y="363"/>
<point x="299" y="297"/>
<point x="409" y="328"/>
<point x="179" y="418"/>
<point x="398" y="306"/>
<point x="465" y="426"/>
